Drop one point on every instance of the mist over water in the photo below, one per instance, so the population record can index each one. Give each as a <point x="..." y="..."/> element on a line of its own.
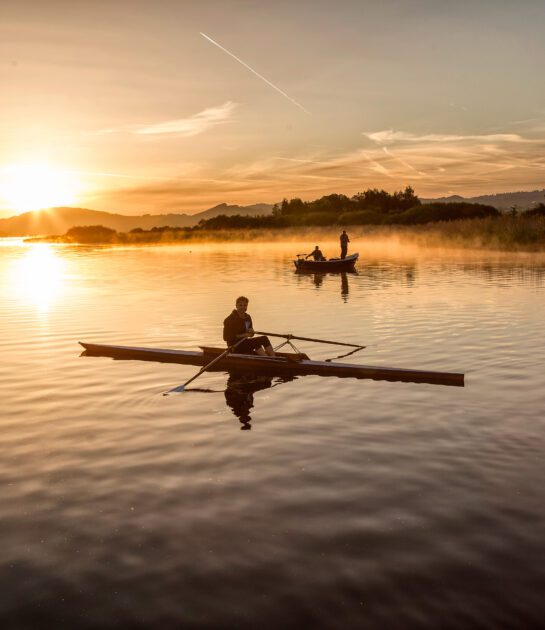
<point x="340" y="503"/>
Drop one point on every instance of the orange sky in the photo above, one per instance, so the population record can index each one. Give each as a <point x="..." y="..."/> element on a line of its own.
<point x="139" y="108"/>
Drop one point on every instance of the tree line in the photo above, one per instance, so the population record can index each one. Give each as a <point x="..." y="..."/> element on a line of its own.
<point x="371" y="207"/>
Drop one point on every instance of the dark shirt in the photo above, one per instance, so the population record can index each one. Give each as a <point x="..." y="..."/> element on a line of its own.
<point x="344" y="240"/>
<point x="235" y="325"/>
<point x="316" y="254"/>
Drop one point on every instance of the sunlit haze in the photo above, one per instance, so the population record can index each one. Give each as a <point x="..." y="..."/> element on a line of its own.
<point x="179" y="106"/>
<point x="34" y="186"/>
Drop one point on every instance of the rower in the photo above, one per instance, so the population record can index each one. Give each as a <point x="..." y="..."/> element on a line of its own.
<point x="316" y="253"/>
<point x="239" y="326"/>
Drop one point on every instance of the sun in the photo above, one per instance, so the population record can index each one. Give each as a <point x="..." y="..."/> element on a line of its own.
<point x="25" y="187"/>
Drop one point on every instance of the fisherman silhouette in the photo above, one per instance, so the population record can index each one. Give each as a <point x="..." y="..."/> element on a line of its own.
<point x="316" y="253"/>
<point x="344" y="243"/>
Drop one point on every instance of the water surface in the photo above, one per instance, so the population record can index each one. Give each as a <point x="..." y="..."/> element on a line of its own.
<point x="321" y="501"/>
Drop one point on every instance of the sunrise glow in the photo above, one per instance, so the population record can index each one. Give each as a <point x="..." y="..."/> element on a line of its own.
<point x="25" y="187"/>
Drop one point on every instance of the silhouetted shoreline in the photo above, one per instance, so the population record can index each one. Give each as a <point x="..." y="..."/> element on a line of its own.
<point x="505" y="233"/>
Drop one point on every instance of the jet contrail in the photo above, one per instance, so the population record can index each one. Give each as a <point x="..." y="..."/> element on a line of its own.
<point x="256" y="73"/>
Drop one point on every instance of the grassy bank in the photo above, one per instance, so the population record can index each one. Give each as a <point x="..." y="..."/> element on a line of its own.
<point x="505" y="233"/>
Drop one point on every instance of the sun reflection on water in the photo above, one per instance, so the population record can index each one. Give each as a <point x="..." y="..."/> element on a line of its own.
<point x="38" y="276"/>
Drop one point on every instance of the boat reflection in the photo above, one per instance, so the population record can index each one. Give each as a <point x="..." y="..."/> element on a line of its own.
<point x="318" y="279"/>
<point x="240" y="390"/>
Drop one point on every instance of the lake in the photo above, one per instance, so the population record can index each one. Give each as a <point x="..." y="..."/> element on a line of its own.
<point x="323" y="502"/>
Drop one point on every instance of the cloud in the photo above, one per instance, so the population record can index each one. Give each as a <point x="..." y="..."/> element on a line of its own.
<point x="376" y="166"/>
<point x="193" y="125"/>
<point x="403" y="162"/>
<point x="389" y="136"/>
<point x="190" y="126"/>
<point x="470" y="165"/>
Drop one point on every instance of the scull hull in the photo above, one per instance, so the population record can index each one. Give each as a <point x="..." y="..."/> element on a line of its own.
<point x="275" y="366"/>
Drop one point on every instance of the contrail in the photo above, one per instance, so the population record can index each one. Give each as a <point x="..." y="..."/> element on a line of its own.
<point x="403" y="162"/>
<point x="376" y="166"/>
<point x="256" y="73"/>
<point x="117" y="175"/>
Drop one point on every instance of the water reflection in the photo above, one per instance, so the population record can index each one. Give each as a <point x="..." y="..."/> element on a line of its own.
<point x="508" y="273"/>
<point x="239" y="394"/>
<point x="318" y="279"/>
<point x="385" y="274"/>
<point x="442" y="488"/>
<point x="345" y="289"/>
<point x="38" y="276"/>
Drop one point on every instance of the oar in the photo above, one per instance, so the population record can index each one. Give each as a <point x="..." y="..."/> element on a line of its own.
<point x="181" y="388"/>
<point x="289" y="336"/>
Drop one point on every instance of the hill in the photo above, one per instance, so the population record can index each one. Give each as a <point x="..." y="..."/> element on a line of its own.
<point x="502" y="201"/>
<point x="59" y="220"/>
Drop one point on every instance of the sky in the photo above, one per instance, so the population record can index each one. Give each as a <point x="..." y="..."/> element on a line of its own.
<point x="139" y="107"/>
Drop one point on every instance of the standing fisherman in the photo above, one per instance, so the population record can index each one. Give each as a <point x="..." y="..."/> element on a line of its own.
<point x="344" y="243"/>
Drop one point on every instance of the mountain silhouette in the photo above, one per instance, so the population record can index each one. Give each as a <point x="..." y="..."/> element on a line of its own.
<point x="502" y="201"/>
<point x="59" y="220"/>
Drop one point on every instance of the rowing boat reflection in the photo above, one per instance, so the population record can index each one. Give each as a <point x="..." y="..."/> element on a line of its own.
<point x="318" y="279"/>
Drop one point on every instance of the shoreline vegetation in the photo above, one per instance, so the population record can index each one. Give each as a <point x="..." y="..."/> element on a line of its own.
<point x="373" y="214"/>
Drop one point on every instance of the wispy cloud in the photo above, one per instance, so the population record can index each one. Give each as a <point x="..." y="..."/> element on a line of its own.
<point x="470" y="165"/>
<point x="457" y="106"/>
<point x="379" y="168"/>
<point x="403" y="162"/>
<point x="260" y="76"/>
<point x="193" y="125"/>
<point x="189" y="126"/>
<point x="389" y="136"/>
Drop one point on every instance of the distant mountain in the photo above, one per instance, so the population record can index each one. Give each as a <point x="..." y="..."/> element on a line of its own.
<point x="59" y="220"/>
<point x="503" y="201"/>
<point x="223" y="208"/>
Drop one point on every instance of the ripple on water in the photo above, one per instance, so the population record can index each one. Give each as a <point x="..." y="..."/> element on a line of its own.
<point x="354" y="503"/>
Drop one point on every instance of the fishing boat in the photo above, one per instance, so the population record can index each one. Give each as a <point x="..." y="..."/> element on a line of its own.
<point x="284" y="363"/>
<point x="332" y="264"/>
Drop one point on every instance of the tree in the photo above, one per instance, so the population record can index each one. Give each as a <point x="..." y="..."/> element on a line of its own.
<point x="91" y="234"/>
<point x="293" y="206"/>
<point x="406" y="199"/>
<point x="537" y="211"/>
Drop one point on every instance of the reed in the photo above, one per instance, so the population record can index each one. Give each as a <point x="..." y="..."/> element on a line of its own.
<point x="505" y="233"/>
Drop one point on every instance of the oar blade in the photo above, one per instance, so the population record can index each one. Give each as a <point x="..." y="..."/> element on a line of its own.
<point x="175" y="390"/>
<point x="181" y="388"/>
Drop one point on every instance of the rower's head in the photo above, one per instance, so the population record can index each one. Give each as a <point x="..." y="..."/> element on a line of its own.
<point x="241" y="305"/>
<point x="316" y="247"/>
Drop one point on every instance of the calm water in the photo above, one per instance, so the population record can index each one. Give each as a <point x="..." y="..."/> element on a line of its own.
<point x="340" y="503"/>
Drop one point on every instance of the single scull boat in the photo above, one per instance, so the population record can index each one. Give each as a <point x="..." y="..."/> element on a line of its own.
<point x="283" y="364"/>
